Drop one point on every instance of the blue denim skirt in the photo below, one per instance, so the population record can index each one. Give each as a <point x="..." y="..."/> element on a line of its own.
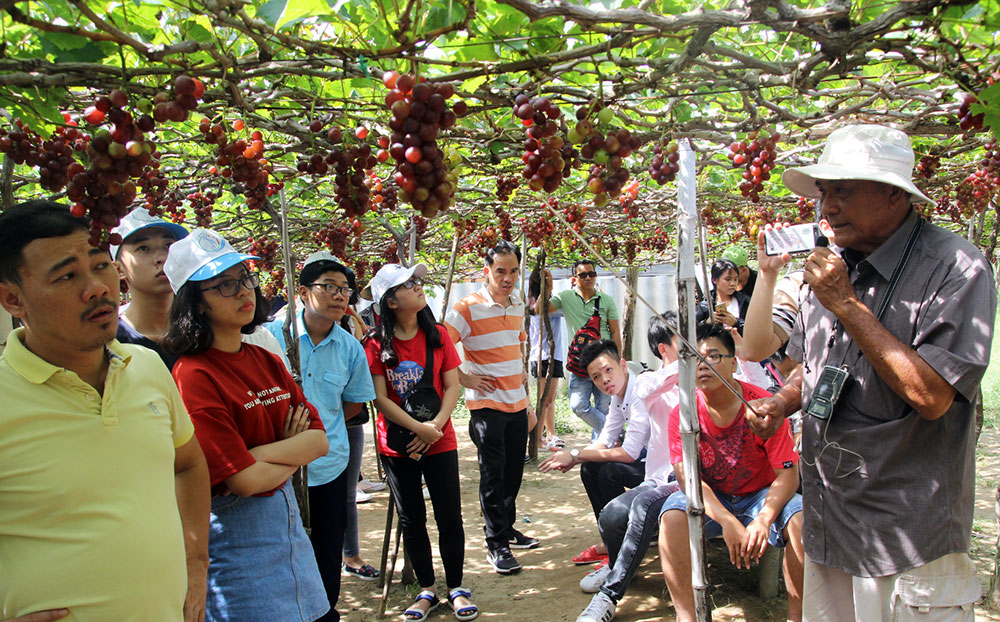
<point x="262" y="566"/>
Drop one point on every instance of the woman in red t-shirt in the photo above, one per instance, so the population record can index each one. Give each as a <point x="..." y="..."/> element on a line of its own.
<point x="411" y="448"/>
<point x="256" y="429"/>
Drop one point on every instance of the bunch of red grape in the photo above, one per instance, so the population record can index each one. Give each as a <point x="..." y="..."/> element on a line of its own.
<point x="658" y="241"/>
<point x="117" y="157"/>
<point x="807" y="209"/>
<point x="757" y="158"/>
<point x="506" y="185"/>
<point x="614" y="246"/>
<point x="991" y="156"/>
<point x="201" y="202"/>
<point x="274" y="282"/>
<point x="265" y="248"/>
<point x="241" y="160"/>
<point x="377" y="192"/>
<point x="664" y="166"/>
<point x="537" y="231"/>
<point x="627" y="199"/>
<point x="928" y="165"/>
<point x="391" y="253"/>
<point x="976" y="191"/>
<point x="360" y="269"/>
<point x="966" y="120"/>
<point x="269" y="266"/>
<point x="607" y="150"/>
<point x="463" y="230"/>
<point x="334" y="237"/>
<point x="630" y="249"/>
<point x="503" y="223"/>
<point x="575" y="215"/>
<point x="349" y="186"/>
<point x="53" y="157"/>
<point x="186" y="93"/>
<point x="419" y="111"/>
<point x="544" y="165"/>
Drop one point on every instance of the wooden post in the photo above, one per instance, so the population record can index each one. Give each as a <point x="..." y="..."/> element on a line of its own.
<point x="300" y="479"/>
<point x="628" y="324"/>
<point x="690" y="432"/>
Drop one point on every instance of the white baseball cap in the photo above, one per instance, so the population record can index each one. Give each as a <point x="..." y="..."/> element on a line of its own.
<point x="320" y="256"/>
<point x="139" y="219"/>
<point x="390" y="275"/>
<point x="200" y="256"/>
<point x="861" y="152"/>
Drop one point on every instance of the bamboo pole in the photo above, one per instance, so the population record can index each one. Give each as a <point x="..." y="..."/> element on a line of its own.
<point x="543" y="385"/>
<point x="300" y="479"/>
<point x="690" y="432"/>
<point x="451" y="276"/>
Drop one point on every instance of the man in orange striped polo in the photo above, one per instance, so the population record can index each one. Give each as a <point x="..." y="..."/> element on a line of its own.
<point x="490" y="325"/>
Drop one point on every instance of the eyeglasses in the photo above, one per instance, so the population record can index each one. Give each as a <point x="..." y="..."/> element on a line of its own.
<point x="715" y="358"/>
<point x="413" y="282"/>
<point x="231" y="287"/>
<point x="586" y="275"/>
<point x="333" y="289"/>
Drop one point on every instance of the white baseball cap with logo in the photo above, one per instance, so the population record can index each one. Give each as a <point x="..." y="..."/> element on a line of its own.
<point x="391" y="275"/>
<point x="140" y="219"/>
<point x="860" y="152"/>
<point x="200" y="256"/>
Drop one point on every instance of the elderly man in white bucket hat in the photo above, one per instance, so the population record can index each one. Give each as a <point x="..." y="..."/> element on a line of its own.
<point x="894" y="336"/>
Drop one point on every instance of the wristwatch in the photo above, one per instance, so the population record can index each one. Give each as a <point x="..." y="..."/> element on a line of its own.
<point x="574" y="453"/>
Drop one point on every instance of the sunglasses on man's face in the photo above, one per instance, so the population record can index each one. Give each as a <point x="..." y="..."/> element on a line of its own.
<point x="586" y="275"/>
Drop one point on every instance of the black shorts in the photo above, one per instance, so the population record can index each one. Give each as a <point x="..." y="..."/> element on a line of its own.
<point x="557" y="369"/>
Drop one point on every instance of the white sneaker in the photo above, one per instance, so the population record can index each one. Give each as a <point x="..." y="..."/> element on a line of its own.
<point x="369" y="486"/>
<point x="600" y="609"/>
<point x="361" y="496"/>
<point x="592" y="582"/>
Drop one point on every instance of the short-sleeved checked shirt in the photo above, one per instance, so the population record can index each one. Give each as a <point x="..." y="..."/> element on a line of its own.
<point x="910" y="500"/>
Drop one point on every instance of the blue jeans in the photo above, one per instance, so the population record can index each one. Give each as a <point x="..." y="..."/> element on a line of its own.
<point x="356" y="437"/>
<point x="745" y="508"/>
<point x="628" y="524"/>
<point x="262" y="567"/>
<point x="580" y="391"/>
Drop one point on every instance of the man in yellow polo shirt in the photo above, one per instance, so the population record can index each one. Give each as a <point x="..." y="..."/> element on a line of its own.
<point x="104" y="490"/>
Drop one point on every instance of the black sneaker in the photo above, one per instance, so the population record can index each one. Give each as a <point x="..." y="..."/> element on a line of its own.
<point x="520" y="541"/>
<point x="502" y="560"/>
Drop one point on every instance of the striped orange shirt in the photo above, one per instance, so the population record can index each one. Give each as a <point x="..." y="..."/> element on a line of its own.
<point x="491" y="336"/>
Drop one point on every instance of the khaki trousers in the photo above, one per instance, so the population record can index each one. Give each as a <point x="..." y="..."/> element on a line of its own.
<point x="943" y="590"/>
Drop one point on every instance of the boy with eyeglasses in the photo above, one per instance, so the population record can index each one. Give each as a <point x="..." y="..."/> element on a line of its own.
<point x="577" y="304"/>
<point x="748" y="483"/>
<point x="337" y="381"/>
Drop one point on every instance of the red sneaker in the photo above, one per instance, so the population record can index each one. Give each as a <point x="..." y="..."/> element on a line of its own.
<point x="590" y="556"/>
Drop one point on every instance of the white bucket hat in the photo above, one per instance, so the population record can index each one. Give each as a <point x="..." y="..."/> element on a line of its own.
<point x="390" y="275"/>
<point x="139" y="219"/>
<point x="862" y="152"/>
<point x="200" y="256"/>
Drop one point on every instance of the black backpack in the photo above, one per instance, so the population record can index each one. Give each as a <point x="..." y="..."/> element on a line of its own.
<point x="588" y="333"/>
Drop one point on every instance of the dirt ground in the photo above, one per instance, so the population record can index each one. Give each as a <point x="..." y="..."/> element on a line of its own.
<point x="554" y="508"/>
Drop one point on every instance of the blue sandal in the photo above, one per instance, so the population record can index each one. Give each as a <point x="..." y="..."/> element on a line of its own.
<point x="468" y="612"/>
<point x="414" y="614"/>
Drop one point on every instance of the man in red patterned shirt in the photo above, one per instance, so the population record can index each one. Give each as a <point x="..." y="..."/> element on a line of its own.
<point x="748" y="483"/>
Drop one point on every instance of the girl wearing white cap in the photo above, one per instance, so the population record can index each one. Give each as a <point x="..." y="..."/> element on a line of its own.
<point x="255" y="428"/>
<point x="415" y="368"/>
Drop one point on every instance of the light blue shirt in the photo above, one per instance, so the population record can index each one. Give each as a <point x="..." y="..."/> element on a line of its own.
<point x="334" y="371"/>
